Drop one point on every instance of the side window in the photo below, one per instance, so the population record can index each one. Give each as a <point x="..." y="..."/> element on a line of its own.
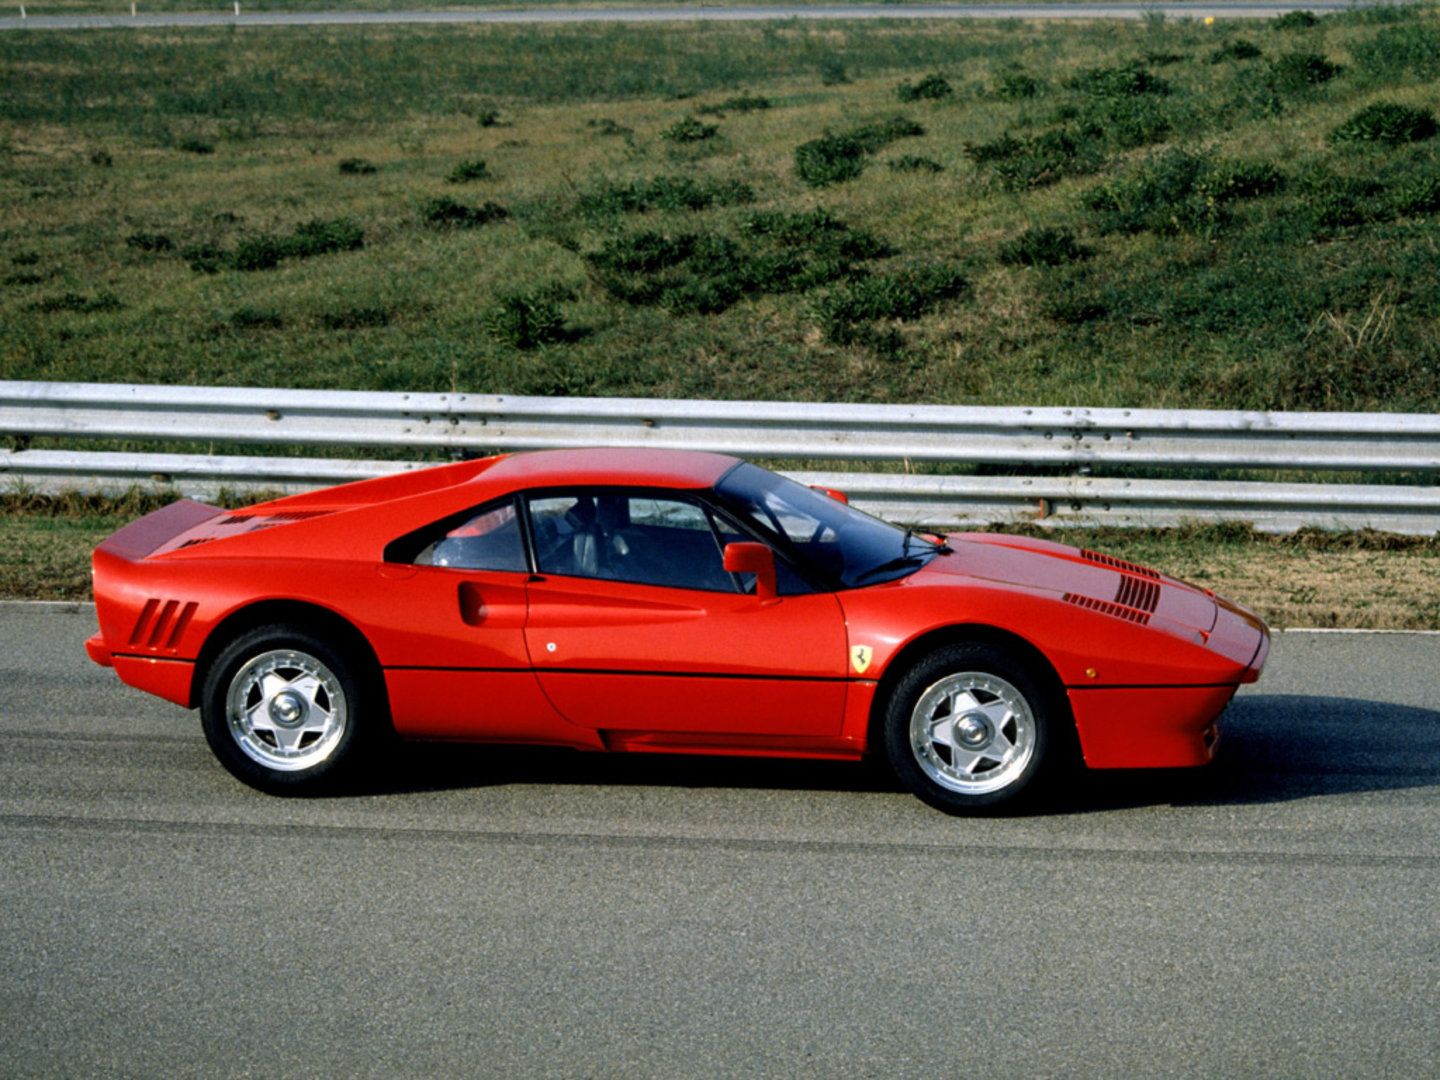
<point x="643" y="539"/>
<point x="490" y="540"/>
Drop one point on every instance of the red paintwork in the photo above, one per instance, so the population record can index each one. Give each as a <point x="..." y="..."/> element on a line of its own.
<point x="1147" y="661"/>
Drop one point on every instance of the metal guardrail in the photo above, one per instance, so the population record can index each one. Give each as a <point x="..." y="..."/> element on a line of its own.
<point x="1072" y="440"/>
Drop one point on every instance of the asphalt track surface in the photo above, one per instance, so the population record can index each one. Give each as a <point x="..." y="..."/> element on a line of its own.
<point x="516" y="914"/>
<point x="1192" y="9"/>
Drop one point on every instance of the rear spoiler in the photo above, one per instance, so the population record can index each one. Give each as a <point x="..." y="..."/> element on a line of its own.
<point x="140" y="538"/>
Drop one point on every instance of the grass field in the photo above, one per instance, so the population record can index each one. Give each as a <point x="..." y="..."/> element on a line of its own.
<point x="1139" y="215"/>
<point x="149" y="7"/>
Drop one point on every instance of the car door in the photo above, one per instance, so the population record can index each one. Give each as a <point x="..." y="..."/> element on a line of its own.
<point x="635" y="626"/>
<point x="453" y="634"/>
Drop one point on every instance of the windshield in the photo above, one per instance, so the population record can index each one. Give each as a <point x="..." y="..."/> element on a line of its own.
<point x="847" y="546"/>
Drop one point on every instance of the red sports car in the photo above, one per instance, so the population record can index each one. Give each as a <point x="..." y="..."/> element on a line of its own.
<point x="663" y="601"/>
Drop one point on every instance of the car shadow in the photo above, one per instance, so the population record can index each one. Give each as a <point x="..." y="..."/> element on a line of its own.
<point x="1275" y="748"/>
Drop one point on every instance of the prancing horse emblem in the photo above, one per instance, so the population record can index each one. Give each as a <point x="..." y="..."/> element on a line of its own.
<point x="860" y="656"/>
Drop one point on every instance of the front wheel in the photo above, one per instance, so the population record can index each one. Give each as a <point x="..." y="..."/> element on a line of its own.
<point x="283" y="710"/>
<point x="971" y="728"/>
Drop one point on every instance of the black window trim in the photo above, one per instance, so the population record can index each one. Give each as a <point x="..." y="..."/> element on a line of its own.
<point x="702" y="498"/>
<point x="406" y="548"/>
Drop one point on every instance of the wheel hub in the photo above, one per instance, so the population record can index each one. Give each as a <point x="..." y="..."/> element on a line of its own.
<point x="972" y="731"/>
<point x="288" y="709"/>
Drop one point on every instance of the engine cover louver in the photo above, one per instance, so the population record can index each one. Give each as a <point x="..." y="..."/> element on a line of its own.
<point x="1139" y="593"/>
<point x="1120" y="564"/>
<point x="1107" y="607"/>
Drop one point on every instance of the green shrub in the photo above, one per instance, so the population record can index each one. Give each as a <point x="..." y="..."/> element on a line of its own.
<point x="354" y="166"/>
<point x="1386" y="122"/>
<point x="881" y="133"/>
<point x="742" y="104"/>
<point x="466" y="171"/>
<point x="356" y="318"/>
<point x="251" y="318"/>
<point x="1128" y="80"/>
<point x="643" y="252"/>
<point x="832" y="71"/>
<point x="1044" y="247"/>
<point x="487" y="116"/>
<point x="259" y="252"/>
<point x="902" y="294"/>
<point x="825" y="235"/>
<point x="196" y="146"/>
<point x="321" y="236"/>
<point x="776" y="252"/>
<point x="832" y="159"/>
<point x="1239" y="49"/>
<point x="529" y="317"/>
<point x="1398" y="50"/>
<point x="915" y="163"/>
<point x="1297" y="72"/>
<point x="203" y="258"/>
<point x="1019" y="164"/>
<point x="1294" y="20"/>
<point x="446" y="213"/>
<point x="606" y="126"/>
<point x="1127" y="122"/>
<point x="1179" y="191"/>
<point x="930" y="88"/>
<point x="1418" y="193"/>
<point x="77" y="302"/>
<point x="663" y="193"/>
<point x="690" y="129"/>
<point x="1225" y="181"/>
<point x="1016" y="86"/>
<point x="265" y="251"/>
<point x="829" y="159"/>
<point x="101" y="159"/>
<point x="144" y="241"/>
<point x="1334" y="202"/>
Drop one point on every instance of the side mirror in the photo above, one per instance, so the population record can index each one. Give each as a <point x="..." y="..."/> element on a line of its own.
<point x="838" y="496"/>
<point x="757" y="559"/>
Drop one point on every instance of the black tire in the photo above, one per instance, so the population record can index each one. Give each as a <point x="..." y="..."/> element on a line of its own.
<point x="288" y="712"/>
<point x="972" y="728"/>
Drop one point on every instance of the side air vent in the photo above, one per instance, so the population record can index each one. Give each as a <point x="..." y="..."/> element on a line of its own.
<point x="1139" y="593"/>
<point x="1105" y="607"/>
<point x="162" y="623"/>
<point x="1119" y="564"/>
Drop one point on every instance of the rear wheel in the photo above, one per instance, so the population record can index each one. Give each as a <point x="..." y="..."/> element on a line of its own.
<point x="285" y="710"/>
<point x="972" y="728"/>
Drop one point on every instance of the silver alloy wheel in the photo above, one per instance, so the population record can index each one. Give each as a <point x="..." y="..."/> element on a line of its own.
<point x="285" y="710"/>
<point x="972" y="732"/>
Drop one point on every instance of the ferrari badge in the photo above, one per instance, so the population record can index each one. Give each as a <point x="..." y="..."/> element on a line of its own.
<point x="860" y="657"/>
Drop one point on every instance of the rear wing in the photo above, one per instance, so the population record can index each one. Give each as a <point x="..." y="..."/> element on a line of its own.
<point x="154" y="530"/>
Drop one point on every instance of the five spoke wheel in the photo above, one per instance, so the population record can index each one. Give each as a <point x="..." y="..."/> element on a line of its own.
<point x="970" y="726"/>
<point x="972" y="732"/>
<point x="287" y="709"/>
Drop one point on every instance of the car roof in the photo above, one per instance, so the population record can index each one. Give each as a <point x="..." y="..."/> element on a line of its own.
<point x="602" y="467"/>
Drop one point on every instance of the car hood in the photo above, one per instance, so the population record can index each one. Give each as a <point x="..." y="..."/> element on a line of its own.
<point x="1087" y="579"/>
